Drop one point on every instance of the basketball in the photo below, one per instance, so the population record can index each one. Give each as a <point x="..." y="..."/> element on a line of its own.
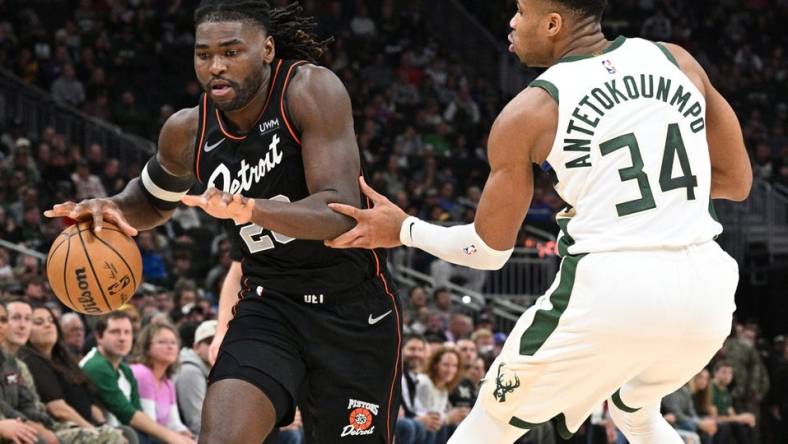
<point x="94" y="273"/>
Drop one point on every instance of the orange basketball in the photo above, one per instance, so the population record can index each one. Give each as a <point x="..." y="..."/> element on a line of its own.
<point x="94" y="273"/>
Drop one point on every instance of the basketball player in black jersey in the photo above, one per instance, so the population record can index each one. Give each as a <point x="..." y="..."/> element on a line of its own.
<point x="272" y="139"/>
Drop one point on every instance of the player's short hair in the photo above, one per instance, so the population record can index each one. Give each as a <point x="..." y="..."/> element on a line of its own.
<point x="584" y="8"/>
<point x="295" y="35"/>
<point x="103" y="321"/>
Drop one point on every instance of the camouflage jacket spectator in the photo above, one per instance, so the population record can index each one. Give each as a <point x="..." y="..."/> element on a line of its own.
<point x="751" y="379"/>
<point x="16" y="399"/>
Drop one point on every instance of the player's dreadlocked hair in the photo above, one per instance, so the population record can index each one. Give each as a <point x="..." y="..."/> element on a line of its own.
<point x="295" y="35"/>
<point x="585" y="8"/>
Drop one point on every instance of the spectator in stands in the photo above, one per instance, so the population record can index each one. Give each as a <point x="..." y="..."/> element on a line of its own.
<point x="15" y="427"/>
<point x="191" y="381"/>
<point x="20" y="388"/>
<point x="153" y="268"/>
<point x="485" y="343"/>
<point x="117" y="387"/>
<point x="412" y="427"/>
<point x="686" y="420"/>
<point x="441" y="375"/>
<point x="460" y="327"/>
<point x="67" y="88"/>
<point x="156" y="354"/>
<point x="73" y="330"/>
<point x="87" y="185"/>
<point x="752" y="378"/>
<point x="462" y="398"/>
<point x="742" y="425"/>
<point x="61" y="384"/>
<point x="442" y="304"/>
<point x="132" y="117"/>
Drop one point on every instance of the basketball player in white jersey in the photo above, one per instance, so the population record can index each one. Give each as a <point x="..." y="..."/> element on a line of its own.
<point x="639" y="142"/>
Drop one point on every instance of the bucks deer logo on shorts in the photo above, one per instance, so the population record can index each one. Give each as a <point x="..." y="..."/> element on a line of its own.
<point x="361" y="417"/>
<point x="505" y="383"/>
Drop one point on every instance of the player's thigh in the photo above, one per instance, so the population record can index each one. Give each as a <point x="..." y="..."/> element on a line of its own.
<point x="354" y="373"/>
<point x="674" y="368"/>
<point x="251" y="423"/>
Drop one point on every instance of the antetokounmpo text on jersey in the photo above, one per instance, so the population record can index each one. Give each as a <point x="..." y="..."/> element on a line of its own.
<point x="593" y="106"/>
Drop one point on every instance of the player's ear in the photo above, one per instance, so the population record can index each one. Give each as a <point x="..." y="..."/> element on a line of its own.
<point x="269" y="50"/>
<point x="554" y="22"/>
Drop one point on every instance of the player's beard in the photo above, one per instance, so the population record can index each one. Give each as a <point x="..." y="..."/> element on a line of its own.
<point x="244" y="92"/>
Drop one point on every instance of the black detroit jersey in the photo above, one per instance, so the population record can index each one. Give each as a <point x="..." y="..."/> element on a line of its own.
<point x="266" y="163"/>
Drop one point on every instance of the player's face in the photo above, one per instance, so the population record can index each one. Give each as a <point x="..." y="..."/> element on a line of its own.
<point x="230" y="60"/>
<point x="531" y="28"/>
<point x="19" y="323"/>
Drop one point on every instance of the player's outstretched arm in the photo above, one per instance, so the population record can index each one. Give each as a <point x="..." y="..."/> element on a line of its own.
<point x="731" y="170"/>
<point x="523" y="129"/>
<point x="148" y="200"/>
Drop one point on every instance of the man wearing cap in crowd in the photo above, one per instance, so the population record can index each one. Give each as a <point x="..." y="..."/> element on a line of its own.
<point x="191" y="381"/>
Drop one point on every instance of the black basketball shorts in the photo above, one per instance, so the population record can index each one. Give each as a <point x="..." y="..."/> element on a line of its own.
<point x="337" y="356"/>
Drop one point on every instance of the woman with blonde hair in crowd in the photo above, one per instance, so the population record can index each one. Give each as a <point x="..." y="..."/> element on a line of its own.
<point x="441" y="375"/>
<point x="156" y="357"/>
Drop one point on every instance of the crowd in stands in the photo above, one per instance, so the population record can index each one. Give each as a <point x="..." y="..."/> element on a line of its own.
<point x="421" y="120"/>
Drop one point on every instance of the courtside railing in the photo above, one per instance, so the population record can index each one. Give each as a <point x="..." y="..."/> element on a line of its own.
<point x="36" y="110"/>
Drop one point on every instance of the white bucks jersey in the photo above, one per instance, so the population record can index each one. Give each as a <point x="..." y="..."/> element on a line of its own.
<point x="630" y="155"/>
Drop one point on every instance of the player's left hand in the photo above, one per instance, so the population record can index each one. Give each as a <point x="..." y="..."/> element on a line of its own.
<point x="222" y="205"/>
<point x="377" y="227"/>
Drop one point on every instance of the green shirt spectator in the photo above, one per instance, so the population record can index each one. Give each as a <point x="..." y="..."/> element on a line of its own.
<point x="117" y="389"/>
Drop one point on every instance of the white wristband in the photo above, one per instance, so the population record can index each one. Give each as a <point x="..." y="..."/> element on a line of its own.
<point x="459" y="244"/>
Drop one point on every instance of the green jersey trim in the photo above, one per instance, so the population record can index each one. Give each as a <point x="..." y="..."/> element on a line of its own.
<point x="620" y="404"/>
<point x="546" y="321"/>
<point x="547" y="86"/>
<point x="668" y="54"/>
<point x="563" y="430"/>
<point x="613" y="46"/>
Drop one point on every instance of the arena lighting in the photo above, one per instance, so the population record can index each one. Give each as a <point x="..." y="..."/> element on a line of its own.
<point x="466" y="299"/>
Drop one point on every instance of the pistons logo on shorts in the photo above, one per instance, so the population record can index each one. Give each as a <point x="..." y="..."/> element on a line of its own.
<point x="361" y="417"/>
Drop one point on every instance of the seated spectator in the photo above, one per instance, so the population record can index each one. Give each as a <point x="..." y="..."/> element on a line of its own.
<point x="73" y="330"/>
<point x="20" y="388"/>
<point x="440" y="377"/>
<point x="61" y="384"/>
<point x="464" y="395"/>
<point x="191" y="381"/>
<point x="156" y="354"/>
<point x="115" y="382"/>
<point x="17" y="403"/>
<point x="742" y="425"/>
<point x="686" y="420"/>
<point x="86" y="184"/>
<point x="413" y="428"/>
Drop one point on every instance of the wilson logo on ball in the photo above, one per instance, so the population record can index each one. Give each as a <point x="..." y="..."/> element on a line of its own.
<point x="85" y="296"/>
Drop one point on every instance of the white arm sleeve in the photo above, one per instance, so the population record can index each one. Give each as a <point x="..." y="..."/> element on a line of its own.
<point x="459" y="245"/>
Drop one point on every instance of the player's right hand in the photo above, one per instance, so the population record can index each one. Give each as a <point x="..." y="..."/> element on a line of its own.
<point x="97" y="209"/>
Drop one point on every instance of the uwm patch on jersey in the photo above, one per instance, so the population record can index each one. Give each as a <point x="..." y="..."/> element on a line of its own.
<point x="266" y="163"/>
